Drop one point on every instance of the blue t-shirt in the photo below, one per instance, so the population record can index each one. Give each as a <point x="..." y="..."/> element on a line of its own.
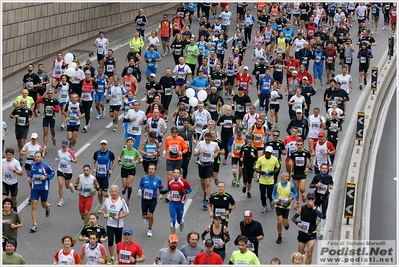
<point x="149" y="186"/>
<point x="151" y="57"/>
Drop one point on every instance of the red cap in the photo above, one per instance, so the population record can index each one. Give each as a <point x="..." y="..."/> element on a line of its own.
<point x="248" y="214"/>
<point x="321" y="134"/>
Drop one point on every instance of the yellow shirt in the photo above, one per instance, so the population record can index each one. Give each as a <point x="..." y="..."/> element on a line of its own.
<point x="281" y="45"/>
<point x="268" y="166"/>
<point x="138" y="43"/>
<point x="29" y="101"/>
<point x="284" y="193"/>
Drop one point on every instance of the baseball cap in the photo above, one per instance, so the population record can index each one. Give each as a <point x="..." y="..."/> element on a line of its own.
<point x="34" y="135"/>
<point x="208" y="243"/>
<point x="201" y="70"/>
<point x="64" y="143"/>
<point x="173" y="238"/>
<point x="261" y="57"/>
<point x="239" y="130"/>
<point x="132" y="46"/>
<point x="241" y="88"/>
<point x="151" y="45"/>
<point x="305" y="78"/>
<point x="298" y="110"/>
<point x="248" y="214"/>
<point x="294" y="72"/>
<point x="246" y="68"/>
<point x="130" y="69"/>
<point x="310" y="195"/>
<point x="183" y="109"/>
<point x="252" y="106"/>
<point x="128" y="231"/>
<point x="269" y="149"/>
<point x="320" y="134"/>
<point x="153" y="75"/>
<point x="12" y="242"/>
<point x="88" y="61"/>
<point x="104" y="141"/>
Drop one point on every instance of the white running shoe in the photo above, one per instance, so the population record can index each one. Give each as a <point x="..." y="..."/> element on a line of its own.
<point x="149" y="233"/>
<point x="60" y="203"/>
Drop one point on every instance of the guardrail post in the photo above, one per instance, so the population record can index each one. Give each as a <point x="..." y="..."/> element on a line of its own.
<point x="349" y="201"/>
<point x="359" y="127"/>
<point x="391" y="42"/>
<point x="374" y="79"/>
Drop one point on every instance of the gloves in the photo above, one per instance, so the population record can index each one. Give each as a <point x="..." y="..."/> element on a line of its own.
<point x="181" y="193"/>
<point x="163" y="192"/>
<point x="263" y="173"/>
<point x="252" y="239"/>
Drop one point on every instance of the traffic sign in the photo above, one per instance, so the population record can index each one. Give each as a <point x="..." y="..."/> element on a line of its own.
<point x="349" y="200"/>
<point x="360" y="126"/>
<point x="374" y="77"/>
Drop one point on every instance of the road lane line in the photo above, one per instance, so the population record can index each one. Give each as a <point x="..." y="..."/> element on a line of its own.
<point x="186" y="206"/>
<point x="112" y="123"/>
<point x="82" y="149"/>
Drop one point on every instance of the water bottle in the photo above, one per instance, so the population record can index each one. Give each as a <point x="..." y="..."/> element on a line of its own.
<point x="56" y="159"/>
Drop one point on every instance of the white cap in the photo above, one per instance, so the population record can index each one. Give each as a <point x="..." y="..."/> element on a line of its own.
<point x="34" y="135"/>
<point x="153" y="75"/>
<point x="104" y="141"/>
<point x="294" y="72"/>
<point x="298" y="110"/>
<point x="246" y="68"/>
<point x="269" y="149"/>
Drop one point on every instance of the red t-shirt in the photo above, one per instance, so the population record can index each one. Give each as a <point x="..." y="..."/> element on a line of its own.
<point x="291" y="66"/>
<point x="126" y="251"/>
<point x="243" y="81"/>
<point x="204" y="259"/>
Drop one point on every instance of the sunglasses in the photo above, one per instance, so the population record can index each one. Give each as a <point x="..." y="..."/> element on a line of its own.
<point x="126" y="234"/>
<point x="174" y="131"/>
<point x="275" y="135"/>
<point x="311" y="198"/>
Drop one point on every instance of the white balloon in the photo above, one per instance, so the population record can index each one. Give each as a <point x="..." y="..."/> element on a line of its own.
<point x="193" y="101"/>
<point x="70" y="72"/>
<point x="72" y="65"/>
<point x="68" y="58"/>
<point x="190" y="92"/>
<point x="202" y="95"/>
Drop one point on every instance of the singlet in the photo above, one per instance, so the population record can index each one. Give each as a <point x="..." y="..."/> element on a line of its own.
<point x="116" y="93"/>
<point x="63" y="93"/>
<point x="66" y="259"/>
<point x="281" y="45"/>
<point x="180" y="72"/>
<point x="314" y="126"/>
<point x="103" y="164"/>
<point x="283" y="193"/>
<point x="319" y="158"/>
<point x="237" y="145"/>
<point x="73" y="114"/>
<point x="109" y="65"/>
<point x="58" y="68"/>
<point x="101" y="82"/>
<point x="86" y="183"/>
<point x="129" y="83"/>
<point x="259" y="135"/>
<point x="87" y="94"/>
<point x="216" y="238"/>
<point x="65" y="158"/>
<point x="230" y="70"/>
<point x="150" y="149"/>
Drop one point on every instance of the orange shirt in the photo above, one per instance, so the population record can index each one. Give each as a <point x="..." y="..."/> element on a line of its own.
<point x="260" y="5"/>
<point x="175" y="144"/>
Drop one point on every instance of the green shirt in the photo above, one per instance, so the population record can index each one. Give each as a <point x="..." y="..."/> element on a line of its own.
<point x="12" y="259"/>
<point x="29" y="101"/>
<point x="191" y="51"/>
<point x="247" y="258"/>
<point x="128" y="158"/>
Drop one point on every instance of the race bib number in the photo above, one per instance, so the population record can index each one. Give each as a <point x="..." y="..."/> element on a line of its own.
<point x="212" y="107"/>
<point x="128" y="159"/>
<point x="348" y="60"/>
<point x="228" y="124"/>
<point x="168" y="91"/>
<point x="49" y="111"/>
<point x="21" y="121"/>
<point x="240" y="108"/>
<point x="102" y="169"/>
<point x="175" y="196"/>
<point x="300" y="161"/>
<point x="220" y="212"/>
<point x="305" y="227"/>
<point x="322" y="189"/>
<point x="250" y="246"/>
<point x="363" y="60"/>
<point x="124" y="256"/>
<point x="148" y="193"/>
<point x="330" y="60"/>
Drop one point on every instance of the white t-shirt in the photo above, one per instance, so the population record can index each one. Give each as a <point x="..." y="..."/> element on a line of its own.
<point x="200" y="119"/>
<point x="32" y="149"/>
<point x="153" y="40"/>
<point x="65" y="158"/>
<point x="226" y="17"/>
<point x="299" y="44"/>
<point x="210" y="148"/>
<point x="10" y="177"/>
<point x="101" y="45"/>
<point x="134" y="127"/>
<point x="115" y="209"/>
<point x="344" y="80"/>
<point x="86" y="183"/>
<point x="298" y="102"/>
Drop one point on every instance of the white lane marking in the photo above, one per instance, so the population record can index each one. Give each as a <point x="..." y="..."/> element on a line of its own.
<point x="111" y="123"/>
<point x="23" y="204"/>
<point x="186" y="206"/>
<point x="82" y="149"/>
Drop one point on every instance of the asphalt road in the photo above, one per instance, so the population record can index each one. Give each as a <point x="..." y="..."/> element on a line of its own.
<point x="384" y="194"/>
<point x="39" y="248"/>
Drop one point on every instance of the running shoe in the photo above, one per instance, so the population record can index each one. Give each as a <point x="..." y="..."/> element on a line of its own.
<point x="205" y="206"/>
<point x="103" y="112"/>
<point x="166" y="200"/>
<point x="365" y="81"/>
<point x="83" y="217"/>
<point x="279" y="240"/>
<point x="265" y="209"/>
<point x="149" y="233"/>
<point x="224" y="162"/>
<point x="296" y="206"/>
<point x="85" y="128"/>
<point x="111" y="261"/>
<point x="181" y="227"/>
<point x="165" y="54"/>
<point x="331" y="167"/>
<point x="303" y="197"/>
<point x="321" y="82"/>
<point x="60" y="203"/>
<point x="99" y="212"/>
<point x="128" y="202"/>
<point x="271" y="204"/>
<point x="275" y="124"/>
<point x="34" y="229"/>
<point x="48" y="211"/>
<point x="72" y="188"/>
<point x="54" y="141"/>
<point x="234" y="181"/>
<point x="98" y="117"/>
<point x="360" y="87"/>
<point x="115" y="128"/>
<point x="124" y="190"/>
<point x="244" y="189"/>
<point x="36" y="113"/>
<point x="216" y="181"/>
<point x="249" y="195"/>
<point x="166" y="119"/>
<point x="146" y="221"/>
<point x="238" y="183"/>
<point x="62" y="126"/>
